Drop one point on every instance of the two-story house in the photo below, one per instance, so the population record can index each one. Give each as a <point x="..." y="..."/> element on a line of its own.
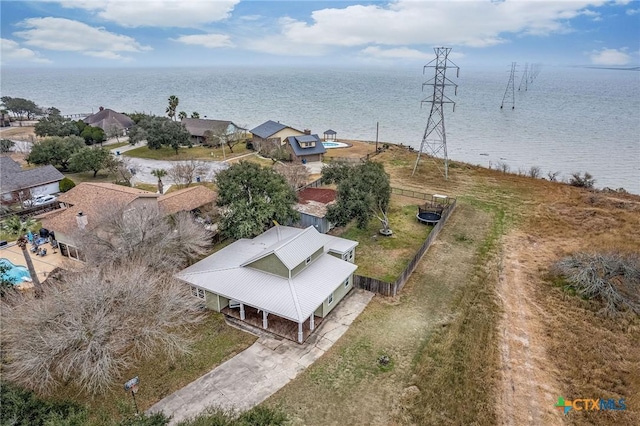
<point x="286" y="275"/>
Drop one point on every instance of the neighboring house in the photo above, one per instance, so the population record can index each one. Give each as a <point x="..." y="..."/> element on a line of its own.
<point x="273" y="132"/>
<point x="312" y="205"/>
<point x="305" y="148"/>
<point x="286" y="275"/>
<point x="110" y="121"/>
<point x="17" y="185"/>
<point x="83" y="205"/>
<point x="187" y="199"/>
<point x="212" y="132"/>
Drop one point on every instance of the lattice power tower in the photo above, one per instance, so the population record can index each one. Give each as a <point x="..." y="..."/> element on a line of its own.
<point x="510" y="88"/>
<point x="435" y="138"/>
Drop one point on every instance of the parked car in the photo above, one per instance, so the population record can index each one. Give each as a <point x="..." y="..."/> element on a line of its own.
<point x="39" y="200"/>
<point x="45" y="200"/>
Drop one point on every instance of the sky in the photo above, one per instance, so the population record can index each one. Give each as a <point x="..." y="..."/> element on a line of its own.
<point x="184" y="33"/>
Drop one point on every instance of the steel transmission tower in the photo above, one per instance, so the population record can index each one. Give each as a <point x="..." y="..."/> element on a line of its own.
<point x="510" y="88"/>
<point x="435" y="138"/>
<point x="525" y="77"/>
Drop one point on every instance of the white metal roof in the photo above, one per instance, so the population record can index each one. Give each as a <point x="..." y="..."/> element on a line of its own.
<point x="296" y="298"/>
<point x="294" y="250"/>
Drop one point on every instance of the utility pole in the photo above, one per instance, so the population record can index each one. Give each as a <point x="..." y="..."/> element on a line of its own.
<point x="525" y="77"/>
<point x="377" y="129"/>
<point x="435" y="138"/>
<point x="510" y="88"/>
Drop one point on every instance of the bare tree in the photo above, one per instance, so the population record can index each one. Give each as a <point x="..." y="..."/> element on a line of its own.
<point x="535" y="172"/>
<point x="94" y="324"/>
<point x="183" y="173"/>
<point x="143" y="235"/>
<point x="296" y="175"/>
<point x="553" y="176"/>
<point x="270" y="149"/>
<point x="123" y="169"/>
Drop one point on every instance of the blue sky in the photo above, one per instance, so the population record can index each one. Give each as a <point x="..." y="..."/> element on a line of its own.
<point x="183" y="33"/>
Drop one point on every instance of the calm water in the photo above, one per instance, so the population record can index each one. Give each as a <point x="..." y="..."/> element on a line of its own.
<point x="570" y="120"/>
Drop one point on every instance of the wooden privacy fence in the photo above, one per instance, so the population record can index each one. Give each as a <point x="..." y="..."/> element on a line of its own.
<point x="392" y="289"/>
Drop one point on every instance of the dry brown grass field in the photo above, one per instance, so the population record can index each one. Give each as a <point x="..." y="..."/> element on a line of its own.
<point x="480" y="334"/>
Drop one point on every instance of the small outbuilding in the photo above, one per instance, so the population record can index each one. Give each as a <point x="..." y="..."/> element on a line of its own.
<point x="330" y="135"/>
<point x="312" y="205"/>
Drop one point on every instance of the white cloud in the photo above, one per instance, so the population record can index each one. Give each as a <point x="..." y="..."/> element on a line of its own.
<point x="158" y="13"/>
<point x="211" y="41"/>
<point x="457" y="23"/>
<point x="73" y="36"/>
<point x="610" y="57"/>
<point x="395" y="53"/>
<point x="632" y="12"/>
<point x="11" y="51"/>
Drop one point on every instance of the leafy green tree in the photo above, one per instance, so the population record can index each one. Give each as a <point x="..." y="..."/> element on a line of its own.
<point x="159" y="173"/>
<point x="6" y="145"/>
<point x="56" y="151"/>
<point x="137" y="133"/>
<point x="195" y="114"/>
<point x="6" y="284"/>
<point x="364" y="191"/>
<point x="182" y="115"/>
<point x="94" y="159"/>
<point x="21" y="107"/>
<point x="170" y="133"/>
<point x="137" y="116"/>
<point x="252" y="197"/>
<point x="66" y="184"/>
<point x="173" y="106"/>
<point x="92" y="135"/>
<point x="56" y="125"/>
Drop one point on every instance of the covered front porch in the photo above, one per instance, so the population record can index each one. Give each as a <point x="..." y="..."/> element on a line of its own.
<point x="297" y="332"/>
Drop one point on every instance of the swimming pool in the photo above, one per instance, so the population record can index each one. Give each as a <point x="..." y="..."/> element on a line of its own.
<point x="329" y="145"/>
<point x="16" y="274"/>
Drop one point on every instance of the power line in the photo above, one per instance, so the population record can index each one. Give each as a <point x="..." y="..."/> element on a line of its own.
<point x="510" y="88"/>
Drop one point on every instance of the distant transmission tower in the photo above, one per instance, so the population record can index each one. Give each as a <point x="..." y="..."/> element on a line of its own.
<point x="435" y="138"/>
<point x="525" y="78"/>
<point x="510" y="88"/>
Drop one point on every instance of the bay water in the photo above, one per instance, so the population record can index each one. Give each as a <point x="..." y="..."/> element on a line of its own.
<point x="569" y="120"/>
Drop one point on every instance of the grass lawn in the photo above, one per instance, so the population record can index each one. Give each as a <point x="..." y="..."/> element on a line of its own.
<point x="196" y="152"/>
<point x="264" y="162"/>
<point x="212" y="186"/>
<point x="102" y="177"/>
<point x="386" y="257"/>
<point x="445" y="331"/>
<point x="215" y="342"/>
<point x="116" y="145"/>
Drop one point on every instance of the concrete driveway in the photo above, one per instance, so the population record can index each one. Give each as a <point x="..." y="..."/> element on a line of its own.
<point x="262" y="369"/>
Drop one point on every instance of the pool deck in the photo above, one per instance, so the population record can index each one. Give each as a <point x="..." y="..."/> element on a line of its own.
<point x="42" y="265"/>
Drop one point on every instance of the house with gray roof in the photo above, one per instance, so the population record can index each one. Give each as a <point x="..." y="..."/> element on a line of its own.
<point x="284" y="279"/>
<point x="110" y="121"/>
<point x="273" y="132"/>
<point x="305" y="148"/>
<point x="17" y="185"/>
<point x="212" y="132"/>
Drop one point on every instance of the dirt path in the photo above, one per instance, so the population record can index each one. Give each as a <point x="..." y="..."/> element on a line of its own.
<point x="528" y="389"/>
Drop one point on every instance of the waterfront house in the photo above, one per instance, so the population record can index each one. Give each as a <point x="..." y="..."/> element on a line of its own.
<point x="212" y="132"/>
<point x="305" y="148"/>
<point x="110" y="121"/>
<point x="273" y="132"/>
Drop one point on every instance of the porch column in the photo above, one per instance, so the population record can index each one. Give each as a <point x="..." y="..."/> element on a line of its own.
<point x="300" y="335"/>
<point x="242" y="311"/>
<point x="312" y="322"/>
<point x="265" y="322"/>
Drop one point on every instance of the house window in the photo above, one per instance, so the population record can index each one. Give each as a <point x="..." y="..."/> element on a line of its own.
<point x="306" y="262"/>
<point x="346" y="283"/>
<point x="330" y="299"/>
<point x="197" y="292"/>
